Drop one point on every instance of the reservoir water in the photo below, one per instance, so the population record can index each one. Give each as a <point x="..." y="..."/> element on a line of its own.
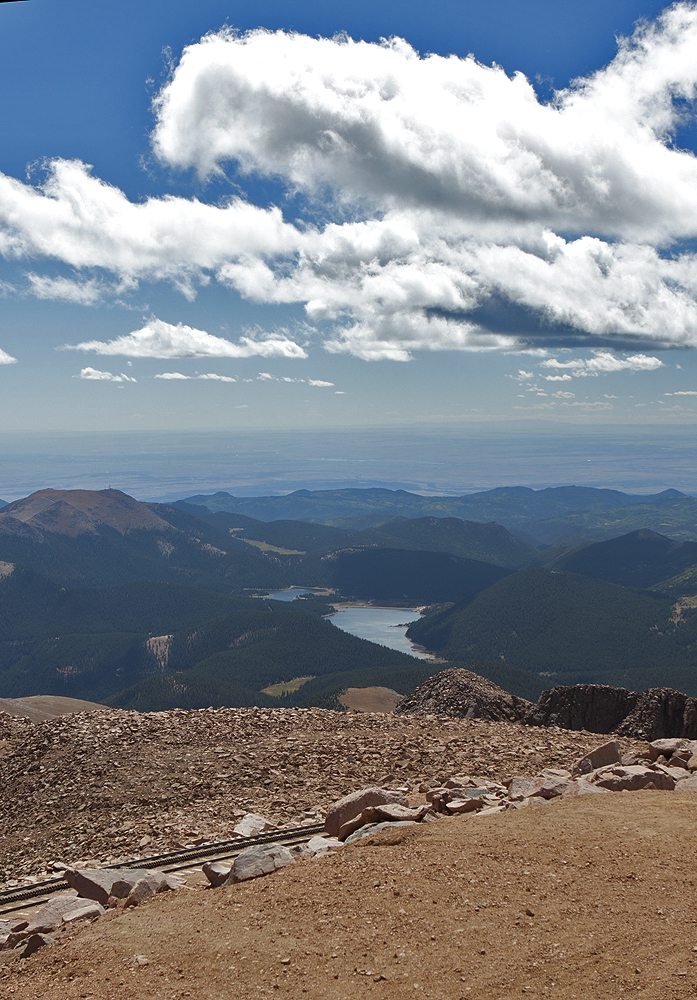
<point x="386" y="626"/>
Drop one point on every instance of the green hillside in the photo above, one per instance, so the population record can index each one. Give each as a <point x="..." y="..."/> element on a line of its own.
<point x="675" y="517"/>
<point x="397" y="575"/>
<point x="640" y="559"/>
<point x="512" y="506"/>
<point x="570" y="629"/>
<point x="208" y="647"/>
<point x="490" y="543"/>
<point x="264" y="648"/>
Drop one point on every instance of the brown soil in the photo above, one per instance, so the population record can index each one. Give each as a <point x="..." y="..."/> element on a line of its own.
<point x="592" y="897"/>
<point x="41" y="707"/>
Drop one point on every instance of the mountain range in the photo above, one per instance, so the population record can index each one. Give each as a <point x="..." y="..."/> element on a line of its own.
<point x="148" y="605"/>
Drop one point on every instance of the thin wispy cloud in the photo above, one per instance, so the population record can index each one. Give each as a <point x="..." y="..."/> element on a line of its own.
<point x="93" y="374"/>
<point x="209" y="376"/>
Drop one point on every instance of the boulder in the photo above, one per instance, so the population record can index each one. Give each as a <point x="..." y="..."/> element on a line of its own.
<point x="668" y="747"/>
<point x="539" y="787"/>
<point x="51" y="916"/>
<point x="251" y="824"/>
<point x="459" y="806"/>
<point x="33" y="944"/>
<point x="633" y="778"/>
<point x="388" y="813"/>
<point x="607" y="753"/>
<point x="142" y="890"/>
<point x="260" y="859"/>
<point x="687" y="784"/>
<point x="101" y="883"/>
<point x="354" y="804"/>
<point x="581" y="786"/>
<point x="320" y="845"/>
<point x="87" y="911"/>
<point x="216" y="872"/>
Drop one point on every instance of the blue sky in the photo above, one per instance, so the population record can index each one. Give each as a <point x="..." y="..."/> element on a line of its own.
<point x="293" y="229"/>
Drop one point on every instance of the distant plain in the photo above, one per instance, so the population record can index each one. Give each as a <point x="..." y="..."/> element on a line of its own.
<point x="450" y="459"/>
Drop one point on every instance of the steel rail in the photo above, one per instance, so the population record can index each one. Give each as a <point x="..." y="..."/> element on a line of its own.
<point x="218" y="850"/>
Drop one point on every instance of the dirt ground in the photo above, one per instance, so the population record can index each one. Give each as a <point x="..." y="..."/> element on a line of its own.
<point x="591" y="897"/>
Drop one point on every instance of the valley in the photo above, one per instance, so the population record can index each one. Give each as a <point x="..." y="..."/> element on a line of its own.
<point x="153" y="606"/>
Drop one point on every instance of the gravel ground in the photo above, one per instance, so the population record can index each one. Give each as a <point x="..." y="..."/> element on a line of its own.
<point x="110" y="785"/>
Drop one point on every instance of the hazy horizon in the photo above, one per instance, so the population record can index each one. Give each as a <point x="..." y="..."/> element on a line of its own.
<point x="451" y="460"/>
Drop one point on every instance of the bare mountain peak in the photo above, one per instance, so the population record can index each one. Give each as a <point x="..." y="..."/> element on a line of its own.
<point x="75" y="512"/>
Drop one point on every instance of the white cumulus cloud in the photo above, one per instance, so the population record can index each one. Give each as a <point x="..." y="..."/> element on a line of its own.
<point x="456" y="210"/>
<point x="158" y="339"/>
<point x="6" y="359"/>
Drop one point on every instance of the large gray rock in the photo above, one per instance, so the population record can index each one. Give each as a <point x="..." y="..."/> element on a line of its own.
<point x="216" y="872"/>
<point x="668" y="747"/>
<point x="540" y="787"/>
<point x="365" y="831"/>
<point x="87" y="910"/>
<point x="260" y="859"/>
<point x="101" y="883"/>
<point x="353" y="805"/>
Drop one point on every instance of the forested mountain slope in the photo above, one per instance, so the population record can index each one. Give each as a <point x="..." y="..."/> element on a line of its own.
<point x="570" y="629"/>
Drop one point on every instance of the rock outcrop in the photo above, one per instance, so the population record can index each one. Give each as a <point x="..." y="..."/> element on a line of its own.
<point x="597" y="708"/>
<point x="462" y="694"/>
<point x="593" y="708"/>
<point x="661" y="712"/>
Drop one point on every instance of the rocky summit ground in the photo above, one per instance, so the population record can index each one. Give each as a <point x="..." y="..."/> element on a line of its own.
<point x="585" y="897"/>
<point x="111" y="785"/>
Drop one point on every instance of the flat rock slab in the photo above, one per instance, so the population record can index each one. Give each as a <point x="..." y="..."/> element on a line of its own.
<point x="540" y="787"/>
<point x="88" y="910"/>
<point x="365" y="831"/>
<point x="101" y="883"/>
<point x="258" y="860"/>
<point x="52" y="915"/>
<point x="353" y="805"/>
<point x="251" y="824"/>
<point x="633" y="778"/>
<point x="388" y="813"/>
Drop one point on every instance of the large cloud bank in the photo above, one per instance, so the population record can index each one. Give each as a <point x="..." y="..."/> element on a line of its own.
<point x="464" y="213"/>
